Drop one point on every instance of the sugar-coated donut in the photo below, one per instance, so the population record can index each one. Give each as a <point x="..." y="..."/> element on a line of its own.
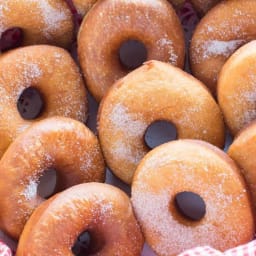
<point x="115" y="32"/>
<point x="102" y="210"/>
<point x="242" y="151"/>
<point x="38" y="72"/>
<point x="188" y="193"/>
<point x="155" y="91"/>
<point x="83" y="6"/>
<point x="236" y="88"/>
<point x="58" y="143"/>
<point x="221" y="31"/>
<point x="41" y="21"/>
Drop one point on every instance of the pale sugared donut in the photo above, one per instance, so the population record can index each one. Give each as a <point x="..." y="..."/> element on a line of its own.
<point x="58" y="143"/>
<point x="242" y="151"/>
<point x="102" y="211"/>
<point x="41" y="21"/>
<point x="203" y="6"/>
<point x="83" y="6"/>
<point x="117" y="36"/>
<point x="237" y="89"/>
<point x="155" y="91"/>
<point x="55" y="88"/>
<point x="221" y="31"/>
<point x="188" y="193"/>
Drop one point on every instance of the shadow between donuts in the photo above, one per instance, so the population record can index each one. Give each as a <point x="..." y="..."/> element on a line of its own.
<point x="159" y="132"/>
<point x="88" y="243"/>
<point x="30" y="103"/>
<point x="11" y="38"/>
<point x="132" y="54"/>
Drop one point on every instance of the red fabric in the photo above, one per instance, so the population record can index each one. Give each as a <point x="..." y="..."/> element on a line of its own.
<point x="242" y="250"/>
<point x="4" y="250"/>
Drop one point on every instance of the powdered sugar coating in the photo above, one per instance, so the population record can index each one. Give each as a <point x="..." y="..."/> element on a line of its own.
<point x="213" y="48"/>
<point x="187" y="166"/>
<point x="30" y="191"/>
<point x="52" y="17"/>
<point x="43" y="21"/>
<point x="219" y="34"/>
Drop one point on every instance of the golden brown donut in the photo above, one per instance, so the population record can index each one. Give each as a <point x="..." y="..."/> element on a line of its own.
<point x="236" y="88"/>
<point x="155" y="91"/>
<point x="58" y="143"/>
<point x="102" y="210"/>
<point x="242" y="151"/>
<point x="221" y="31"/>
<point x="42" y="21"/>
<point x="110" y="24"/>
<point x="49" y="70"/>
<point x="83" y="6"/>
<point x="196" y="172"/>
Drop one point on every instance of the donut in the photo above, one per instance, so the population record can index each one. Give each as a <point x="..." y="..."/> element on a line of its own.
<point x="188" y="193"/>
<point x="37" y="82"/>
<point x="83" y="6"/>
<point x="236" y="88"/>
<point x="58" y="143"/>
<point x="99" y="213"/>
<point x="242" y="152"/>
<point x="225" y="28"/>
<point x="116" y="37"/>
<point x="154" y="92"/>
<point x="41" y="21"/>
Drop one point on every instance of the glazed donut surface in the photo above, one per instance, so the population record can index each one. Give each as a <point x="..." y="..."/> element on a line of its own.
<point x="155" y="91"/>
<point x="51" y="71"/>
<point x="224" y="29"/>
<point x="236" y="88"/>
<point x="103" y="210"/>
<point x="110" y="23"/>
<point x="58" y="143"/>
<point x="198" y="167"/>
<point x="41" y="21"/>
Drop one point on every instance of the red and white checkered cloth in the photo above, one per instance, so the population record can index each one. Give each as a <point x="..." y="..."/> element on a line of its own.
<point x="242" y="250"/>
<point x="5" y="250"/>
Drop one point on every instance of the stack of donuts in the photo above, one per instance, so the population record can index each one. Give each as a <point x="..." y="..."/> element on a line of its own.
<point x="140" y="117"/>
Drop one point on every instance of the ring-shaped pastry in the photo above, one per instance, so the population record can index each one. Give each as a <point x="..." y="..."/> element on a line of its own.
<point x="58" y="143"/>
<point x="156" y="91"/>
<point x="116" y="32"/>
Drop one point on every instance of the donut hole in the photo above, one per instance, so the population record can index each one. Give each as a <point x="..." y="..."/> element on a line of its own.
<point x="188" y="207"/>
<point x="30" y="103"/>
<point x="47" y="183"/>
<point x="87" y="243"/>
<point x="132" y="54"/>
<point x="159" y="132"/>
<point x="11" y="38"/>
